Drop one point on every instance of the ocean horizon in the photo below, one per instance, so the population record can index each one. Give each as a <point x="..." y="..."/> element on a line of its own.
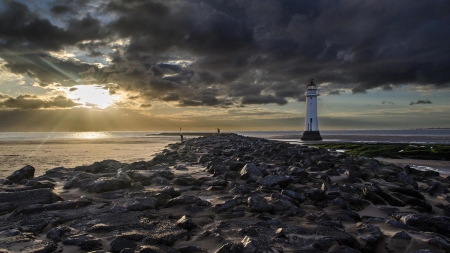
<point x="425" y="136"/>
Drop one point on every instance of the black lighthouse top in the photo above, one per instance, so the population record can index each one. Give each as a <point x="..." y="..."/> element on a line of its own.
<point x="312" y="85"/>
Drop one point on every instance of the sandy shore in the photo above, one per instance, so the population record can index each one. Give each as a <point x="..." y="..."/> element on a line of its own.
<point x="45" y="155"/>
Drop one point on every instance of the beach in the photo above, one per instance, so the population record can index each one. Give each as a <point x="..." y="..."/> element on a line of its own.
<point x="46" y="151"/>
<point x="226" y="193"/>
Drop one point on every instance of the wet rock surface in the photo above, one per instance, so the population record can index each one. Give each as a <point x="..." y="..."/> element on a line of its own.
<point x="227" y="193"/>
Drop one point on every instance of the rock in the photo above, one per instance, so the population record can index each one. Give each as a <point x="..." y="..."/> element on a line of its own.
<point x="84" y="242"/>
<point x="345" y="249"/>
<point x="217" y="182"/>
<point x="371" y="235"/>
<point x="251" y="172"/>
<point x="231" y="248"/>
<point x="186" y="181"/>
<point x="39" y="246"/>
<point x="181" y="167"/>
<point x="436" y="188"/>
<point x="105" y="166"/>
<point x="81" y="180"/>
<point x="259" y="204"/>
<point x="186" y="223"/>
<point x="419" y="204"/>
<point x="118" y="208"/>
<point x="441" y="243"/>
<point x="231" y="203"/>
<point x="127" y="250"/>
<point x="120" y="243"/>
<point x="40" y="184"/>
<point x="240" y="189"/>
<point x="191" y="249"/>
<point x="295" y="195"/>
<point x="157" y="249"/>
<point x="402" y="235"/>
<point x="166" y="233"/>
<point x="315" y="194"/>
<point x="403" y="177"/>
<point x="141" y="204"/>
<point x="273" y="180"/>
<point x="170" y="191"/>
<point x="25" y="198"/>
<point x="26" y="172"/>
<point x="57" y="234"/>
<point x="160" y="181"/>
<point x="109" y="184"/>
<point x="186" y="200"/>
<point x="429" y="223"/>
<point x="251" y="245"/>
<point x="346" y="215"/>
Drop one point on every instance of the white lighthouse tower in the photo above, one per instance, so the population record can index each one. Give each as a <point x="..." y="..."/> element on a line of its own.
<point x="311" y="132"/>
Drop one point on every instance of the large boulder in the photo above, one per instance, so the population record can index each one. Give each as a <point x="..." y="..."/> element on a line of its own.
<point x="251" y="172"/>
<point x="26" y="172"/>
<point x="30" y="197"/>
<point x="120" y="181"/>
<point x="428" y="223"/>
<point x="109" y="184"/>
<point x="274" y="180"/>
<point x="259" y="204"/>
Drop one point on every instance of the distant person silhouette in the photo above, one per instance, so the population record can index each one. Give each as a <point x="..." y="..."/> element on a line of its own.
<point x="181" y="135"/>
<point x="218" y="130"/>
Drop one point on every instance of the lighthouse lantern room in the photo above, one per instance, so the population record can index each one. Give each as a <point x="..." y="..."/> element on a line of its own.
<point x="311" y="132"/>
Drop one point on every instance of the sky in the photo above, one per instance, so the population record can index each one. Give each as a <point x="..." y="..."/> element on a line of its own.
<point x="149" y="65"/>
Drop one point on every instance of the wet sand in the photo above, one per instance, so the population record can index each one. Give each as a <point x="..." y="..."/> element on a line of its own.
<point x="368" y="138"/>
<point x="443" y="167"/>
<point x="45" y="155"/>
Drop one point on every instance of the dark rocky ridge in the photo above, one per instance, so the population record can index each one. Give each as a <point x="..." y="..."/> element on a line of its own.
<point x="228" y="193"/>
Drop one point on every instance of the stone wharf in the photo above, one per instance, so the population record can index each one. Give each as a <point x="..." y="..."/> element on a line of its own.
<point x="311" y="132"/>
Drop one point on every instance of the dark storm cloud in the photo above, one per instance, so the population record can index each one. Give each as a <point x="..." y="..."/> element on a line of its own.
<point x="337" y="92"/>
<point x="263" y="99"/>
<point x="179" y="50"/>
<point x="48" y="69"/>
<point x="33" y="102"/>
<point x="171" y="97"/>
<point x="202" y="100"/>
<point x="421" y="102"/>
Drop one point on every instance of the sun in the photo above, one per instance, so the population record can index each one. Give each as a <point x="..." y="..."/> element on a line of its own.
<point x="92" y="96"/>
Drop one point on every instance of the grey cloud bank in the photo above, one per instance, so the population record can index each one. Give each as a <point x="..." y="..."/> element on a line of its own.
<point x="229" y="53"/>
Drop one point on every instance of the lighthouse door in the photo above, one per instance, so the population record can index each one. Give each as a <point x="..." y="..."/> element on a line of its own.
<point x="310" y="124"/>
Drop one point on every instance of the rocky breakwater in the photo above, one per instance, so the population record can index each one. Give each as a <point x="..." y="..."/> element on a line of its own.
<point x="227" y="193"/>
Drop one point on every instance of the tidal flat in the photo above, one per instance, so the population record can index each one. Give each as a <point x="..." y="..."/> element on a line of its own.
<point x="393" y="150"/>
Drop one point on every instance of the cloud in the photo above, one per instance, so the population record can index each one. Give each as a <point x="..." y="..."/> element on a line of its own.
<point x="263" y="99"/>
<point x="336" y="92"/>
<point x="33" y="102"/>
<point x="387" y="102"/>
<point x="421" y="102"/>
<point x="177" y="50"/>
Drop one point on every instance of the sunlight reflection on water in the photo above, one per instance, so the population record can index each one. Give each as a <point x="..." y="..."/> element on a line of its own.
<point x="90" y="135"/>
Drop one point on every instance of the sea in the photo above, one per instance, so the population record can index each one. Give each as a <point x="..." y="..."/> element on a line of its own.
<point x="424" y="136"/>
<point x="47" y="150"/>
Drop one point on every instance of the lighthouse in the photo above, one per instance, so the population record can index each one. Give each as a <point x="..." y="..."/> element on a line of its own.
<point x="311" y="132"/>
